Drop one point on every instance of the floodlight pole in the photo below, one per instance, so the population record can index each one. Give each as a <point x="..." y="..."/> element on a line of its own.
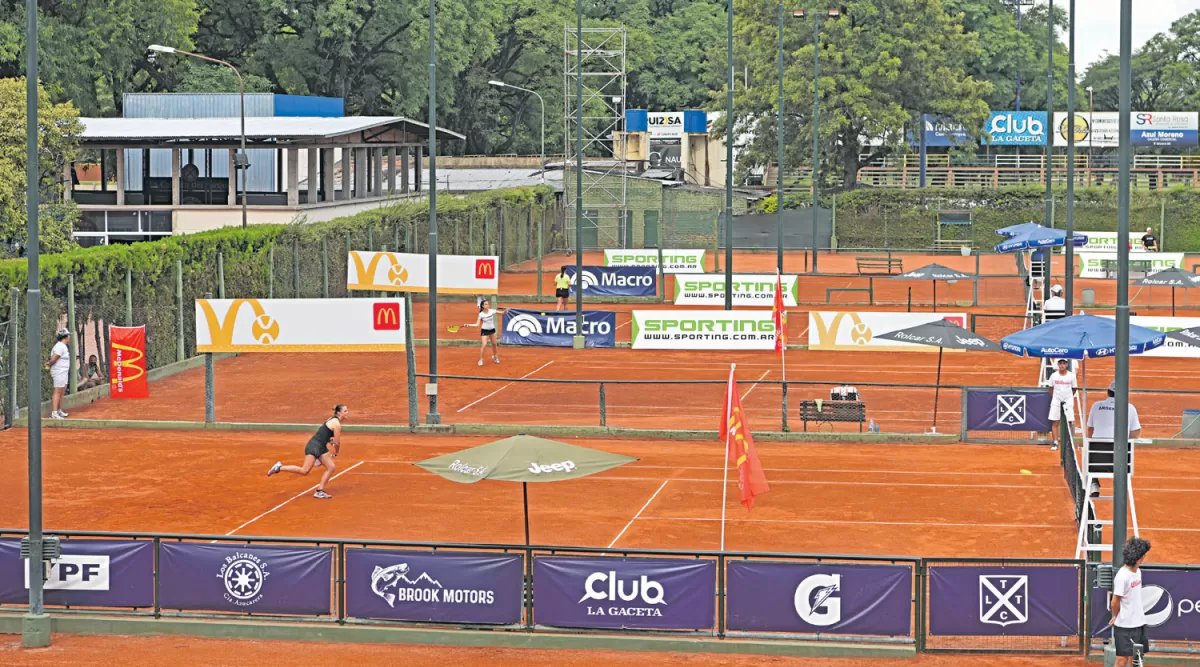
<point x="501" y="84"/>
<point x="729" y="169"/>
<point x="1049" y="166"/>
<point x="1121" y="423"/>
<point x="431" y="390"/>
<point x="1069" y="250"/>
<point x="779" y="167"/>
<point x="579" y="340"/>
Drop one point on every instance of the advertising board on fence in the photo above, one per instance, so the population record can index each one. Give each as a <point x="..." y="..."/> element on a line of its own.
<point x="652" y="593"/>
<point x="437" y="587"/>
<point x="1092" y="264"/>
<point x="1170" y="599"/>
<point x="245" y="578"/>
<point x="703" y="330"/>
<point x="557" y="328"/>
<point x="857" y="330"/>
<point x="127" y="362"/>
<point x="1164" y="129"/>
<point x="299" y="325"/>
<point x="616" y="280"/>
<point x="749" y="289"/>
<point x="674" y="261"/>
<point x="841" y="598"/>
<point x="1106" y="242"/>
<point x="1172" y="348"/>
<point x="1015" y="128"/>
<point x="409" y="272"/>
<point x="1008" y="410"/>
<point x="90" y="573"/>
<point x="1023" y="601"/>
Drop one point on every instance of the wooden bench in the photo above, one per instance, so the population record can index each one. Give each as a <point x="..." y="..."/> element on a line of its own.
<point x="833" y="411"/>
<point x="952" y="245"/>
<point x="884" y="265"/>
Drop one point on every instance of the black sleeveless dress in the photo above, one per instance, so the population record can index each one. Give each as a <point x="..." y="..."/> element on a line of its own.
<point x="318" y="443"/>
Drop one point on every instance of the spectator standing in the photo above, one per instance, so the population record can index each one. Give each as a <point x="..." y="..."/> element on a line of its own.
<point x="60" y="371"/>
<point x="1149" y="242"/>
<point x="1128" y="613"/>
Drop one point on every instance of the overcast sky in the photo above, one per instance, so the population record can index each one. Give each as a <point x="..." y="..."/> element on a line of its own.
<point x="1098" y="23"/>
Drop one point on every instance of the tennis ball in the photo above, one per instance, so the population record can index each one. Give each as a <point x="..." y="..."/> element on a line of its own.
<point x="1026" y="472"/>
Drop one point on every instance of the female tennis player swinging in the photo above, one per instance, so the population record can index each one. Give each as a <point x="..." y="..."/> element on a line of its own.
<point x="486" y="321"/>
<point x="321" y="449"/>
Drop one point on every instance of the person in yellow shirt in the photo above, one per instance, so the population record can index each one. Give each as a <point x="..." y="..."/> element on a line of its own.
<point x="562" y="288"/>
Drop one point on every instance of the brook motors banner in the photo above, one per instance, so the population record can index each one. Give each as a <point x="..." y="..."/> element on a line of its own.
<point x="616" y="281"/>
<point x="90" y="573"/>
<point x="127" y="363"/>
<point x="299" y="325"/>
<point x="1091" y="264"/>
<point x="1008" y="410"/>
<point x="857" y="330"/>
<point x="703" y="330"/>
<point x="657" y="593"/>
<point x="1171" y="599"/>
<point x="1019" y="601"/>
<point x="438" y="587"/>
<point x="557" y="329"/>
<point x="749" y="289"/>
<point x="674" y="261"/>
<point x="770" y="596"/>
<point x="409" y="272"/>
<point x="245" y="578"/>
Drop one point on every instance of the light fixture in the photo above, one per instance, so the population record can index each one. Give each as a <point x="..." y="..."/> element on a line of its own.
<point x="498" y="84"/>
<point x="835" y="13"/>
<point x="162" y="49"/>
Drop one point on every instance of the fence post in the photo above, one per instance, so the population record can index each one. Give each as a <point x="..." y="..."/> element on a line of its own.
<point x="603" y="407"/>
<point x="221" y="274"/>
<point x="539" y="273"/>
<point x="271" y="271"/>
<point x="14" y="332"/>
<point x="180" y="352"/>
<point x="721" y="596"/>
<point x="371" y="239"/>
<point x="662" y="281"/>
<point x="785" y="409"/>
<point x="411" y="359"/>
<point x="325" y="267"/>
<point x="210" y="406"/>
<point x="73" y="380"/>
<point x="296" y="267"/>
<point x="1162" y="225"/>
<point x="128" y="296"/>
<point x="396" y="233"/>
<point x="380" y="294"/>
<point x="962" y="422"/>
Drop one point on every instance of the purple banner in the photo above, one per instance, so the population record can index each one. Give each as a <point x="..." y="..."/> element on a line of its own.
<point x="91" y="573"/>
<point x="1171" y="600"/>
<point x="1020" y="601"/>
<point x="439" y="587"/>
<point x="1008" y="410"/>
<point x="246" y="578"/>
<point x="658" y="593"/>
<point x="776" y="596"/>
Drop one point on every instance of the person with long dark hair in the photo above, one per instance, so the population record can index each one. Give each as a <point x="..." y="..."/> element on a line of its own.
<point x="1128" y="613"/>
<point x="321" y="449"/>
<point x="562" y="288"/>
<point x="486" y="321"/>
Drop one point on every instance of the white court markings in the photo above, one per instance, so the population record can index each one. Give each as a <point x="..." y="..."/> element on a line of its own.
<point x="506" y="386"/>
<point x="298" y="495"/>
<point x="639" y="513"/>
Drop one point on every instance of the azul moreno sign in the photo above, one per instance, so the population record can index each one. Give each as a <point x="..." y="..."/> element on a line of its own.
<point x="674" y="261"/>
<point x="703" y="330"/>
<point x="749" y="289"/>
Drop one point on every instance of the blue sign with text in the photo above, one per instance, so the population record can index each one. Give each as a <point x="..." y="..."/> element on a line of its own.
<point x="557" y="329"/>
<point x="1015" y="128"/>
<point x="616" y="280"/>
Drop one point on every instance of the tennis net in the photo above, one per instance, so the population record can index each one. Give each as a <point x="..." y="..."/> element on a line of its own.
<point x="1072" y="474"/>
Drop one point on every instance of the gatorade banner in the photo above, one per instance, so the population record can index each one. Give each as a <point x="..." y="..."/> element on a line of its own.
<point x="299" y="325"/>
<point x="557" y="329"/>
<point x="616" y="281"/>
<point x="674" y="261"/>
<point x="127" y="363"/>
<point x="409" y="272"/>
<point x="749" y="289"/>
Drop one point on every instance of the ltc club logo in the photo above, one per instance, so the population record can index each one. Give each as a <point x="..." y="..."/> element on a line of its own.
<point x="1010" y="409"/>
<point x="816" y="599"/>
<point x="243" y="574"/>
<point x="1003" y="599"/>
<point x="524" y="325"/>
<point x="386" y="316"/>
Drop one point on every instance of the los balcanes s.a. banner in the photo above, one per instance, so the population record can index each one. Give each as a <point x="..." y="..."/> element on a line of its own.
<point x="299" y="325"/>
<point x="127" y="363"/>
<point x="409" y="272"/>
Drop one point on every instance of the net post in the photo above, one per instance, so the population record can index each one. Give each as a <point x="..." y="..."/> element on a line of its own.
<point x="325" y="267"/>
<point x="180" y="351"/>
<point x="962" y="415"/>
<point x="73" y="380"/>
<point x="128" y="296"/>
<point x="221" y="274"/>
<point x="210" y="408"/>
<point x="785" y="408"/>
<point x="411" y="359"/>
<point x="14" y="330"/>
<point x="603" y="407"/>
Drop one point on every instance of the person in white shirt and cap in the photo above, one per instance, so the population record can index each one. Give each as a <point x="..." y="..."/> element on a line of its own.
<point x="60" y="371"/>
<point x="1056" y="306"/>
<point x="1100" y="426"/>
<point x="1062" y="397"/>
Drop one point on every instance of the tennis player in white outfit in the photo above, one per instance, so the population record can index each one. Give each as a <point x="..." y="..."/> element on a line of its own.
<point x="1062" y="398"/>
<point x="60" y="371"/>
<point x="486" y="321"/>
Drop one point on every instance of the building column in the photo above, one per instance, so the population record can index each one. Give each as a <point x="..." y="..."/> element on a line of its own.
<point x="404" y="160"/>
<point x="120" y="155"/>
<point x="377" y="172"/>
<point x="233" y="178"/>
<point x="417" y="168"/>
<point x="293" y="177"/>
<point x="391" y="168"/>
<point x="327" y="159"/>
<point x="314" y="174"/>
<point x="360" y="173"/>
<point x="176" y="159"/>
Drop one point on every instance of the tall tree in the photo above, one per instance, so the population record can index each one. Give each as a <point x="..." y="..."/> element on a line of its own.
<point x="1166" y="71"/>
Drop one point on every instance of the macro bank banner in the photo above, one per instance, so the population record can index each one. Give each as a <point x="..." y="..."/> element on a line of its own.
<point x="437" y="587"/>
<point x="777" y="596"/>
<point x="616" y="280"/>
<point x="1008" y="410"/>
<point x="703" y="330"/>
<point x="1027" y="601"/>
<point x="848" y="330"/>
<point x="749" y="289"/>
<point x="1170" y="599"/>
<point x="245" y="578"/>
<point x="674" y="261"/>
<point x="90" y="573"/>
<point x="299" y="325"/>
<point x="614" y="593"/>
<point x="557" y="328"/>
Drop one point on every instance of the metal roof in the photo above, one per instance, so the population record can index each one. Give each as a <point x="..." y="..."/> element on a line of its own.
<point x="275" y="129"/>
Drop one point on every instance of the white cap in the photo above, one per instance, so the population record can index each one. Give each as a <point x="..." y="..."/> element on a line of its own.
<point x="1056" y="289"/>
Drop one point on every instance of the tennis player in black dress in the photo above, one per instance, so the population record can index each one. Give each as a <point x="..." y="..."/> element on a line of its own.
<point x="322" y="447"/>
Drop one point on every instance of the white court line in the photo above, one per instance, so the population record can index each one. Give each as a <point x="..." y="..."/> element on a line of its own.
<point x="869" y="523"/>
<point x="808" y="482"/>
<point x="310" y="490"/>
<point x="760" y="379"/>
<point x="505" y="386"/>
<point x="635" y="516"/>
<point x="624" y="323"/>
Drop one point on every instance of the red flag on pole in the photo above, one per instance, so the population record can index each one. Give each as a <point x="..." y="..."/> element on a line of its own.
<point x="739" y="446"/>
<point x="780" y="315"/>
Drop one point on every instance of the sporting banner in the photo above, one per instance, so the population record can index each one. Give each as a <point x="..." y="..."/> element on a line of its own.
<point x="434" y="587"/>
<point x="703" y="330"/>
<point x="1015" y="128"/>
<point x="1091" y="264"/>
<point x="1029" y="601"/>
<point x="1008" y="410"/>
<point x="90" y="573"/>
<point x="127" y="363"/>
<point x="617" y="593"/>
<point x="749" y="289"/>
<point x="674" y="261"/>
<point x="245" y="578"/>
<point x="557" y="328"/>
<point x="1107" y="242"/>
<point x="616" y="280"/>
<point x="299" y="325"/>
<point x="409" y="272"/>
<point x="1163" y="129"/>
<point x="839" y="598"/>
<point x="857" y="330"/>
<point x="1170" y="599"/>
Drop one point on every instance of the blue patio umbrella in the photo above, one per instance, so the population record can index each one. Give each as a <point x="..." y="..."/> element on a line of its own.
<point x="1017" y="230"/>
<point x="1039" y="237"/>
<point x="1079" y="337"/>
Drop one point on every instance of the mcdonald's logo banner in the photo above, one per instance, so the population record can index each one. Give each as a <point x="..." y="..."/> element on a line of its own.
<point x="860" y="330"/>
<point x="127" y="363"/>
<point x="299" y="325"/>
<point x="408" y="272"/>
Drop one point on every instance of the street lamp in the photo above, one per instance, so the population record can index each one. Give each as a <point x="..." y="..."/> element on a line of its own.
<point x="1091" y="129"/>
<point x="816" y="166"/>
<point x="501" y="84"/>
<point x="241" y="163"/>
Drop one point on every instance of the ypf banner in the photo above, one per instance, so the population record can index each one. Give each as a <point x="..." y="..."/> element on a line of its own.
<point x="1170" y="599"/>
<point x="749" y="289"/>
<point x="674" y="261"/>
<point x="245" y="578"/>
<point x="409" y="272"/>
<point x="299" y="325"/>
<point x="557" y="329"/>
<point x="1008" y="410"/>
<point x="616" y="281"/>
<point x="1030" y="601"/>
<point x="857" y="330"/>
<point x="90" y="573"/>
<point x="127" y="363"/>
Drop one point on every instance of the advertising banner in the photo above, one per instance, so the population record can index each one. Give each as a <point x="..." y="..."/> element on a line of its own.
<point x="1163" y="129"/>
<point x="409" y="272"/>
<point x="90" y="573"/>
<point x="940" y="133"/>
<point x="1170" y="599"/>
<point x="437" y="587"/>
<point x="1015" y="128"/>
<point x="775" y="596"/>
<point x="1172" y="348"/>
<point x="299" y="325"/>
<point x="1091" y="264"/>
<point x="1008" y="410"/>
<point x="127" y="363"/>
<point x="674" y="261"/>
<point x="245" y="578"/>
<point x="857" y="330"/>
<point x="650" y="593"/>
<point x="1106" y="242"/>
<point x="666" y="153"/>
<point x="617" y="280"/>
<point x="703" y="330"/>
<point x="1020" y="601"/>
<point x="557" y="328"/>
<point x="749" y="289"/>
<point x="665" y="124"/>
<point x="1092" y="130"/>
